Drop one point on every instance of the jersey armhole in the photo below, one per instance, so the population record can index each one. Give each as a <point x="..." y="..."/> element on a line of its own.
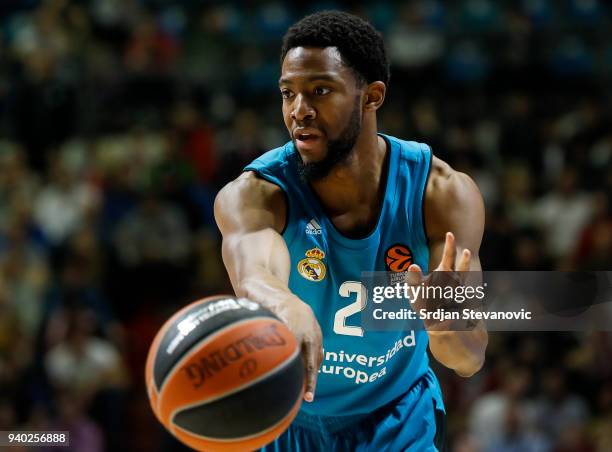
<point x="263" y="176"/>
<point x="429" y="155"/>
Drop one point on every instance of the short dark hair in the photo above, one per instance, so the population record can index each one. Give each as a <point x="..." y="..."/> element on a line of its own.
<point x="362" y="47"/>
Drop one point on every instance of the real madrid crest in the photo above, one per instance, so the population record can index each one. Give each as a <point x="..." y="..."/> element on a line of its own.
<point x="312" y="268"/>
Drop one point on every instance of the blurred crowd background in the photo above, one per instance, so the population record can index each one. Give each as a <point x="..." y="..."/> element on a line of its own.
<point x="121" y="119"/>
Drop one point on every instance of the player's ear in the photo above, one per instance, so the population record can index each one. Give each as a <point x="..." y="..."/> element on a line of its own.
<point x="374" y="96"/>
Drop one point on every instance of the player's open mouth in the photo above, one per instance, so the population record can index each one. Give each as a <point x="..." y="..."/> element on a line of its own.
<point x="305" y="136"/>
<point x="307" y="139"/>
<point x="307" y="142"/>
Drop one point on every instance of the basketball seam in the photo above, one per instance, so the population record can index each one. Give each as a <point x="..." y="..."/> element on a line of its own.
<point x="246" y="385"/>
<point x="242" y="438"/>
<point x="201" y="342"/>
<point x="168" y="324"/>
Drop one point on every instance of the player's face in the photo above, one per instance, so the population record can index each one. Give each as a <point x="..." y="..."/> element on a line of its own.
<point x="321" y="108"/>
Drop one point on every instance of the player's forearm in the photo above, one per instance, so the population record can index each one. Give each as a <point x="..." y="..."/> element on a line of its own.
<point x="258" y="265"/>
<point x="462" y="351"/>
<point x="266" y="289"/>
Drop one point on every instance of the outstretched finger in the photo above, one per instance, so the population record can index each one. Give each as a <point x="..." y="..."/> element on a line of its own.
<point x="449" y="254"/>
<point x="312" y="360"/>
<point x="464" y="261"/>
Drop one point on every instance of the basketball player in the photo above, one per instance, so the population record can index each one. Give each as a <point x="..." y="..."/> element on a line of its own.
<point x="304" y="220"/>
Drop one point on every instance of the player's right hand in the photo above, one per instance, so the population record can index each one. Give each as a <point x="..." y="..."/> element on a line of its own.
<point x="300" y="319"/>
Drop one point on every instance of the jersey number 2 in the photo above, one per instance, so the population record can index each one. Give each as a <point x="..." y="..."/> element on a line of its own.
<point x="346" y="289"/>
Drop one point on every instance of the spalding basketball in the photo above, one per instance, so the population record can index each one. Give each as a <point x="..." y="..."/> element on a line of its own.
<point x="225" y="374"/>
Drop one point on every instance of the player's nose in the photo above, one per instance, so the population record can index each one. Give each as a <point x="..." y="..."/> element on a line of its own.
<point x="302" y="110"/>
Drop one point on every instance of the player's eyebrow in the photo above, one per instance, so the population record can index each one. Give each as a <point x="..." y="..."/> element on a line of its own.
<point x="324" y="76"/>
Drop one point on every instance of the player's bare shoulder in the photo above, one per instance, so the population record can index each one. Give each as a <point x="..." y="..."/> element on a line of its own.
<point x="250" y="202"/>
<point x="450" y="197"/>
<point x="444" y="180"/>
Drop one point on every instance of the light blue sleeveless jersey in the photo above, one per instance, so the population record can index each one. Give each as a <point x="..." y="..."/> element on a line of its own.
<point x="362" y="370"/>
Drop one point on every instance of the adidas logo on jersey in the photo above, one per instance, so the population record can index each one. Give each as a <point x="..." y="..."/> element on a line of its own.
<point x="313" y="228"/>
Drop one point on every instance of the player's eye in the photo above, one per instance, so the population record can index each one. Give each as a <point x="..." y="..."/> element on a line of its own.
<point x="286" y="94"/>
<point x="321" y="91"/>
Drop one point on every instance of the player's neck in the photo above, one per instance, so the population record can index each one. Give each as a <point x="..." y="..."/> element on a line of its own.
<point x="352" y="193"/>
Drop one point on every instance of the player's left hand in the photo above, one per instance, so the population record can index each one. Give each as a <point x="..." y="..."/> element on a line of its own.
<point x="448" y="273"/>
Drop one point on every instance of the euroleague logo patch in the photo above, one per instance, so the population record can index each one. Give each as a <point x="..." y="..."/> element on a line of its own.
<point x="398" y="258"/>
<point x="312" y="268"/>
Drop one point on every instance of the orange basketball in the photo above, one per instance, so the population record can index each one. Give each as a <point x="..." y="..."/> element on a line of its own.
<point x="224" y="374"/>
